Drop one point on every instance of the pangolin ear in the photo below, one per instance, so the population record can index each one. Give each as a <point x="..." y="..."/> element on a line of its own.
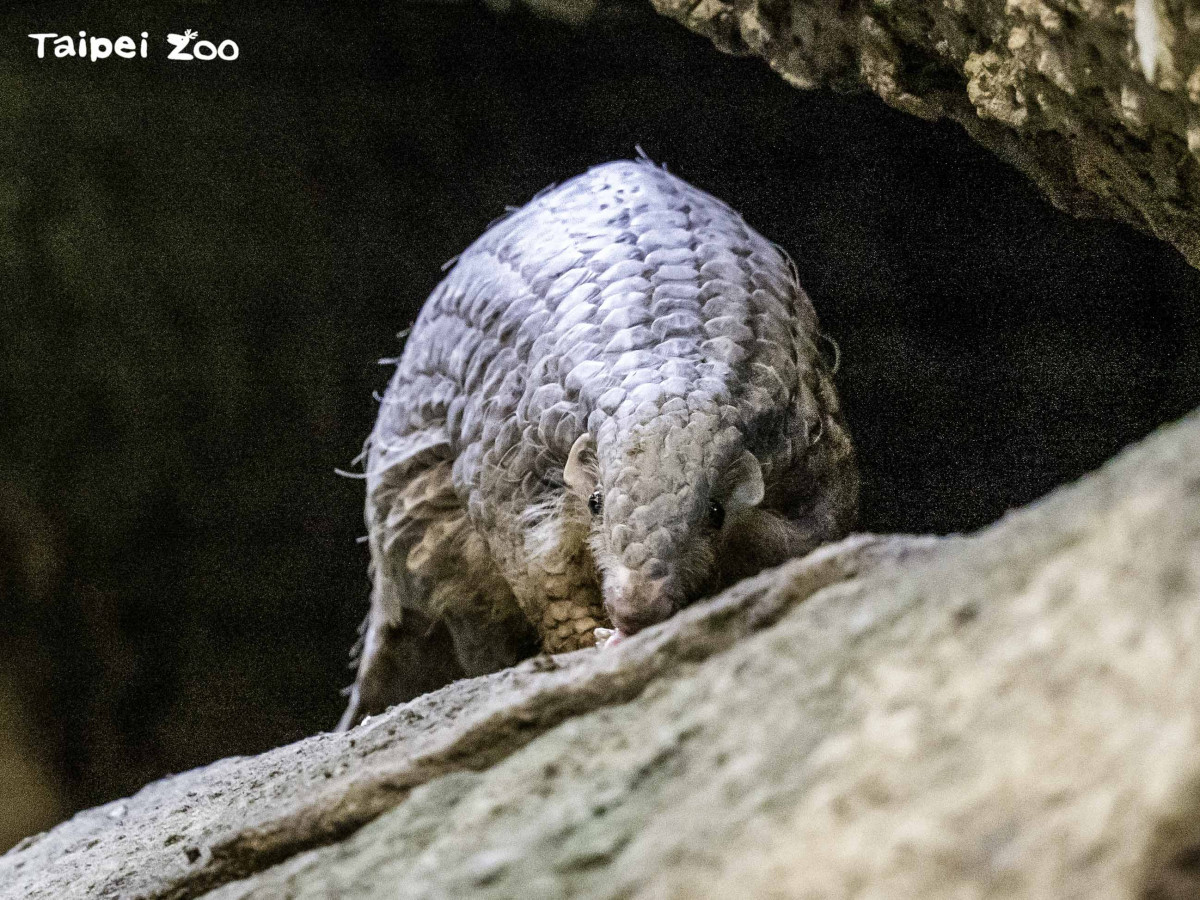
<point x="744" y="483"/>
<point x="581" y="471"/>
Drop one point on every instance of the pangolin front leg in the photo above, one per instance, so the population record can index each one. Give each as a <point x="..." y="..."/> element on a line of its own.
<point x="439" y="608"/>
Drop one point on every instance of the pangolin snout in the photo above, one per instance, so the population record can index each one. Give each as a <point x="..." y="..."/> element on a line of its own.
<point x="635" y="602"/>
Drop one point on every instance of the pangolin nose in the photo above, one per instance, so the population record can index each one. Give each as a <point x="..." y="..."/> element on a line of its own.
<point x="641" y="603"/>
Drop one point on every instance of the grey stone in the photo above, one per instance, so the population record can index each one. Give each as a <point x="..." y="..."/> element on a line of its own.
<point x="1008" y="714"/>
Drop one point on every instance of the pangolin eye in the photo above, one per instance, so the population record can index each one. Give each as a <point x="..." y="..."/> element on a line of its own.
<point x="716" y="514"/>
<point x="596" y="502"/>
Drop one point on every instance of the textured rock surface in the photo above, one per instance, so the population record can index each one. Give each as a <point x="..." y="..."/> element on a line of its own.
<point x="1009" y="714"/>
<point x="184" y="834"/>
<point x="1097" y="101"/>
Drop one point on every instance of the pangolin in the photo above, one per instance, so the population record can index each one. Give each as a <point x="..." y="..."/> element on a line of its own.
<point x="614" y="404"/>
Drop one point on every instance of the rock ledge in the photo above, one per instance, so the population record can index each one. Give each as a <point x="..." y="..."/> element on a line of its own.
<point x="1008" y="714"/>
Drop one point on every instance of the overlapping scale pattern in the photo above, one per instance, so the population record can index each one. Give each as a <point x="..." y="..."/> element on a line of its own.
<point x="624" y="303"/>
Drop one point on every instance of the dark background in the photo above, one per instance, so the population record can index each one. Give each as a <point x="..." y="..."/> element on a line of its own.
<point x="200" y="264"/>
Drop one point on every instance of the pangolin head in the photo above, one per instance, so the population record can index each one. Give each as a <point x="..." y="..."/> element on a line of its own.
<point x="661" y="494"/>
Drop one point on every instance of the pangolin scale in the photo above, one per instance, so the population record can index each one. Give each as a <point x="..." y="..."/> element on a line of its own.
<point x="613" y="404"/>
